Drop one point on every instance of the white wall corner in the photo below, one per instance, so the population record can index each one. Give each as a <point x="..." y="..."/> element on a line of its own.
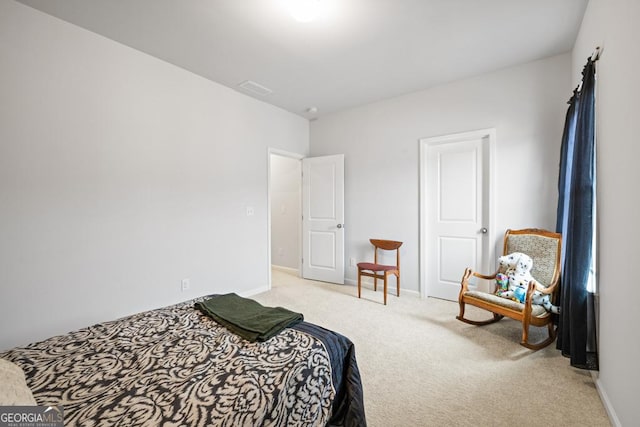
<point x="254" y="291"/>
<point x="613" y="417"/>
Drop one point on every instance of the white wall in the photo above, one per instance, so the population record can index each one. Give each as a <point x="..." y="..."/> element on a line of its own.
<point x="120" y="175"/>
<point x="613" y="24"/>
<point x="526" y="104"/>
<point x="286" y="211"/>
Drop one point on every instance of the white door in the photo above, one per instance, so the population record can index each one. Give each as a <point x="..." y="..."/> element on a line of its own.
<point x="323" y="218"/>
<point x="456" y="202"/>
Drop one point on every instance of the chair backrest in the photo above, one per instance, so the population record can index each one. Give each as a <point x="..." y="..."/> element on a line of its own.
<point x="387" y="245"/>
<point x="544" y="247"/>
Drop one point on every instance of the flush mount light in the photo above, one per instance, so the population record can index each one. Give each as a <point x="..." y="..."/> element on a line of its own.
<point x="303" y="10"/>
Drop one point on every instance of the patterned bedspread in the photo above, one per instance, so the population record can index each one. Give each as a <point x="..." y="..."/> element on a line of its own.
<point x="177" y="367"/>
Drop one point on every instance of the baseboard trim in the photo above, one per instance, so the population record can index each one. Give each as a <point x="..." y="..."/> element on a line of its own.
<point x="254" y="291"/>
<point x="286" y="269"/>
<point x="605" y="400"/>
<point x="368" y="284"/>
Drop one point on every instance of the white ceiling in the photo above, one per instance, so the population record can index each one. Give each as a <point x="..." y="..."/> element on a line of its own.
<point x="359" y="51"/>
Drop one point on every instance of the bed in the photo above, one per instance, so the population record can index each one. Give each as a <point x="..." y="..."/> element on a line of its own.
<point x="176" y="366"/>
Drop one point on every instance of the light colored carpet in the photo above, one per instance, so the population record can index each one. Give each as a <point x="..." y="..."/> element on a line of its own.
<point x="422" y="367"/>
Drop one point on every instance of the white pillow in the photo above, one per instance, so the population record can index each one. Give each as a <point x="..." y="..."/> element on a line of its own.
<point x="13" y="386"/>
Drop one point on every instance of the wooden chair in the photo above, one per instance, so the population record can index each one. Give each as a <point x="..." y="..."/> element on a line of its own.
<point x="544" y="248"/>
<point x="380" y="271"/>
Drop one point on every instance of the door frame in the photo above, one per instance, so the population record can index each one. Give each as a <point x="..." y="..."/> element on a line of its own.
<point x="488" y="135"/>
<point x="298" y="157"/>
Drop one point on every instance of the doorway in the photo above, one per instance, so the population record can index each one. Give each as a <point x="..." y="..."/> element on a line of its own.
<point x="285" y="211"/>
<point x="456" y="215"/>
<point x="306" y="215"/>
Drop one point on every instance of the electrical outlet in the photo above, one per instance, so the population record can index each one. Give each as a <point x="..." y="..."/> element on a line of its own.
<point x="250" y="211"/>
<point x="184" y="285"/>
<point x="352" y="262"/>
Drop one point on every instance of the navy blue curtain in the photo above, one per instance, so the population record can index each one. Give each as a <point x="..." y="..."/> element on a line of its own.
<point x="576" y="215"/>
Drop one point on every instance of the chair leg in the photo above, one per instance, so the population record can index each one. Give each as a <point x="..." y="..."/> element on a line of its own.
<point x="375" y="284"/>
<point x="552" y="331"/>
<point x="543" y="343"/>
<point x="359" y="283"/>
<point x="385" y="289"/>
<point x="525" y="331"/>
<point x="461" y="315"/>
<point x="398" y="284"/>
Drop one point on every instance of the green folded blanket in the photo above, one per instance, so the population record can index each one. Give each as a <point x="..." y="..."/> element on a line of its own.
<point x="248" y="318"/>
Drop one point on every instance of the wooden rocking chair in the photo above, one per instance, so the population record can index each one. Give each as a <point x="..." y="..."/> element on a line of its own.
<point x="544" y="247"/>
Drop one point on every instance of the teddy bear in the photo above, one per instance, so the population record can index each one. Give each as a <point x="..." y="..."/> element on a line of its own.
<point x="516" y="268"/>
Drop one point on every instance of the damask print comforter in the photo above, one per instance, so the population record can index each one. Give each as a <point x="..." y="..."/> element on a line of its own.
<point x="177" y="367"/>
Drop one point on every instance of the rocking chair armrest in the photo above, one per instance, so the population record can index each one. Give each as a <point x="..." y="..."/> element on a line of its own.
<point x="530" y="290"/>
<point x="485" y="276"/>
<point x="464" y="283"/>
<point x="468" y="272"/>
<point x="528" y="301"/>
<point x="546" y="291"/>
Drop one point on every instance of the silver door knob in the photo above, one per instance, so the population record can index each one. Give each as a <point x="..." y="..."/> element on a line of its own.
<point x="339" y="225"/>
<point x="484" y="230"/>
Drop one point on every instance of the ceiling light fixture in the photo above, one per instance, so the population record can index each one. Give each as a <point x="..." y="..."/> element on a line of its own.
<point x="303" y="10"/>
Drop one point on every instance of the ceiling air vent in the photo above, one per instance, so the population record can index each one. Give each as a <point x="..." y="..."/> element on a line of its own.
<point x="256" y="88"/>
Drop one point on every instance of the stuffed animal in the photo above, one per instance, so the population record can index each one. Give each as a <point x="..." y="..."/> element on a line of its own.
<point x="508" y="262"/>
<point x="517" y="267"/>
<point x="520" y="294"/>
<point x="502" y="282"/>
<point x="543" y="300"/>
